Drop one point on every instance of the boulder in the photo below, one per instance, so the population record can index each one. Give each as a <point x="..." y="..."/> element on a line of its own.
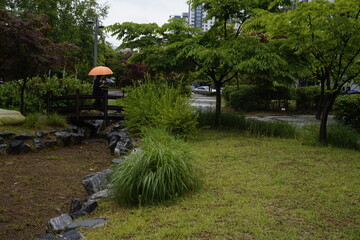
<point x="7" y="135"/>
<point x="88" y="223"/>
<point x="87" y="208"/>
<point x="64" y="137"/>
<point x="2" y="140"/>
<point x="17" y="147"/>
<point x="95" y="182"/>
<point x="59" y="224"/>
<point x="23" y="136"/>
<point x="71" y="235"/>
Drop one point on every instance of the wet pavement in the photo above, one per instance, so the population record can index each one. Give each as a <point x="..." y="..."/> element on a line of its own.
<point x="209" y="102"/>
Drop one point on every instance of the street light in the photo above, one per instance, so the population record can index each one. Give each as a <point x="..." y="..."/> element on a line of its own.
<point x="96" y="24"/>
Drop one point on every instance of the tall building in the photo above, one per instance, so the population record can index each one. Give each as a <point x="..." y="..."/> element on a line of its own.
<point x="197" y="16"/>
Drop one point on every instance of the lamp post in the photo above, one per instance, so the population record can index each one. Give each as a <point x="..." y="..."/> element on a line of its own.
<point x="96" y="25"/>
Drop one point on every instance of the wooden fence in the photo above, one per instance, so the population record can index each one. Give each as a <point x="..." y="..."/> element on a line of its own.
<point x="73" y="109"/>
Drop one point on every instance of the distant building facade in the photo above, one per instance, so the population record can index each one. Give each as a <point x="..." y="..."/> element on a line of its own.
<point x="197" y="18"/>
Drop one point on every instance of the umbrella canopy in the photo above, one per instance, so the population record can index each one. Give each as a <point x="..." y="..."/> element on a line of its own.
<point x="100" y="70"/>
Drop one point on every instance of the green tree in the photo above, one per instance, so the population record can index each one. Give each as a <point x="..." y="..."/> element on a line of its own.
<point x="25" y="52"/>
<point x="329" y="33"/>
<point x="68" y="20"/>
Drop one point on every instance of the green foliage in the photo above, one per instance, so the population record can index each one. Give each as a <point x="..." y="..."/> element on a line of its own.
<point x="248" y="98"/>
<point x="271" y="129"/>
<point x="163" y="169"/>
<point x="344" y="137"/>
<point x="55" y="120"/>
<point x="307" y="98"/>
<point x="37" y="121"/>
<point x="154" y="105"/>
<point x="338" y="136"/>
<point x="35" y="94"/>
<point x="33" y="121"/>
<point x="347" y="110"/>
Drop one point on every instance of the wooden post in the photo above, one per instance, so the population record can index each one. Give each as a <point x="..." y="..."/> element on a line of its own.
<point x="77" y="105"/>
<point x="105" y="104"/>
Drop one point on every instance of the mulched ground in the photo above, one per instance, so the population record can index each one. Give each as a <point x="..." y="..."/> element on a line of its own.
<point x="37" y="186"/>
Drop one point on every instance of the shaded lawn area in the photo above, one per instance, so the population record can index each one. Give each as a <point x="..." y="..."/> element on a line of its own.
<point x="253" y="188"/>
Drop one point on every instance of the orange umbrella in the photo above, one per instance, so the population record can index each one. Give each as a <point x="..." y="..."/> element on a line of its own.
<point x="100" y="70"/>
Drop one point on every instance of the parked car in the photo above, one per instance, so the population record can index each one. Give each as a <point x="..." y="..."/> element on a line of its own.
<point x="203" y="89"/>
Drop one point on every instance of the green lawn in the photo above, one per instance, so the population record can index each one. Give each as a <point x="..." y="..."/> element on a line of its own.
<point x="253" y="188"/>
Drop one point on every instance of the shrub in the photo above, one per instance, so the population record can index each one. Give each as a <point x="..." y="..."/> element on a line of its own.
<point x="307" y="98"/>
<point x="162" y="170"/>
<point x="227" y="120"/>
<point x="35" y="93"/>
<point x="347" y="110"/>
<point x="34" y="121"/>
<point x="152" y="105"/>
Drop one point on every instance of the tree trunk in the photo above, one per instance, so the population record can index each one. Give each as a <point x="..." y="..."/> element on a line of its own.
<point x="22" y="96"/>
<point x="218" y="104"/>
<point x="324" y="117"/>
<point x="321" y="101"/>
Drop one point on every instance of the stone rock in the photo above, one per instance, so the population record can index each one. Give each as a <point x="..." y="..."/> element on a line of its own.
<point x="23" y="136"/>
<point x="47" y="236"/>
<point x="71" y="235"/>
<point x="2" y="140"/>
<point x="50" y="143"/>
<point x="106" y="193"/>
<point x="95" y="182"/>
<point x="88" y="223"/>
<point x="39" y="145"/>
<point x="75" y="205"/>
<point x="77" y="138"/>
<point x="17" y="147"/>
<point x="123" y="147"/>
<point x="3" y="148"/>
<point x="64" y="137"/>
<point x="59" y="224"/>
<point x="87" y="208"/>
<point x="40" y="134"/>
<point x="7" y="135"/>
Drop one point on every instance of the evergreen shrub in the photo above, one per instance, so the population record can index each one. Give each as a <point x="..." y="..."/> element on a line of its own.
<point x="347" y="110"/>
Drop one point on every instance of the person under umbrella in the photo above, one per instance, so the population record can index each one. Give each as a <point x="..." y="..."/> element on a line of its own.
<point x="99" y="72"/>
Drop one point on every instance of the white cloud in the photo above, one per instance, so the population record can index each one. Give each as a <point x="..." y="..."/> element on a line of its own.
<point x="141" y="11"/>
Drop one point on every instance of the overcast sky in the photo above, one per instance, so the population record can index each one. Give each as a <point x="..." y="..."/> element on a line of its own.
<point x="141" y="11"/>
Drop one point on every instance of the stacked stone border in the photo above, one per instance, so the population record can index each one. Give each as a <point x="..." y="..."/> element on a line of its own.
<point x="64" y="227"/>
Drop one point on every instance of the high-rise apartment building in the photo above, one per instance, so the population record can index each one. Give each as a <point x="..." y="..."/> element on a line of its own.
<point x="197" y="16"/>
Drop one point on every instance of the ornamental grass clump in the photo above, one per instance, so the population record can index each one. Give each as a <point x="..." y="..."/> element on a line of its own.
<point x="162" y="170"/>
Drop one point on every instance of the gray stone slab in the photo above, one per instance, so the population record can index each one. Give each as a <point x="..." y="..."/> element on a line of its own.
<point x="60" y="223"/>
<point x="88" y="223"/>
<point x="71" y="235"/>
<point x="96" y="181"/>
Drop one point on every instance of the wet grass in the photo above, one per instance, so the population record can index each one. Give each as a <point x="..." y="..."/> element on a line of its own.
<point x="253" y="188"/>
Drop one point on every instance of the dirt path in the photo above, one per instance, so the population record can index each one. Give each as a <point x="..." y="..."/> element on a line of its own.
<point x="38" y="186"/>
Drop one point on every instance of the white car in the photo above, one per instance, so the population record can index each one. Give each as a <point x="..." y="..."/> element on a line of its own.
<point x="203" y="90"/>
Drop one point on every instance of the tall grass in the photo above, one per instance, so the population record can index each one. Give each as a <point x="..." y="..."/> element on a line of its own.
<point x="38" y="121"/>
<point x="238" y="122"/>
<point x="162" y="170"/>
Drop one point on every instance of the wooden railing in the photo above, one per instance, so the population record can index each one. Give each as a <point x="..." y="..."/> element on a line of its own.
<point x="73" y="108"/>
